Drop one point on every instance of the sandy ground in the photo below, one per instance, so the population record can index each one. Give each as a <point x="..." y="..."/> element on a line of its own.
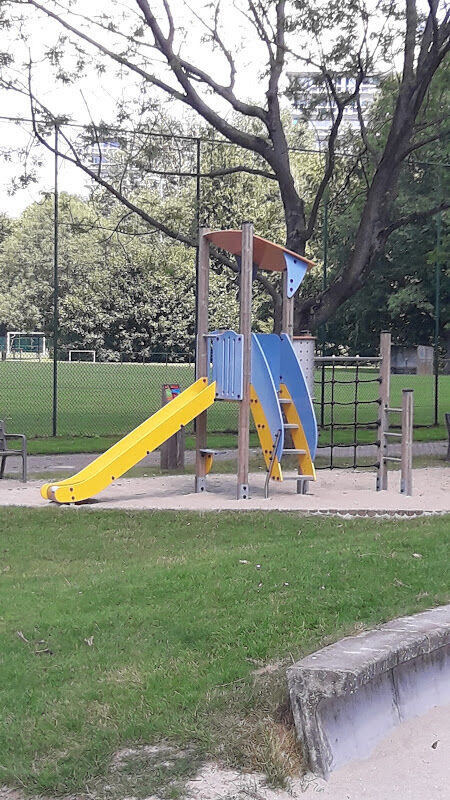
<point x="335" y="491"/>
<point x="413" y="763"/>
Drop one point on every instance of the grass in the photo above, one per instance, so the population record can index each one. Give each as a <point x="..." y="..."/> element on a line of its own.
<point x="147" y="628"/>
<point x="107" y="400"/>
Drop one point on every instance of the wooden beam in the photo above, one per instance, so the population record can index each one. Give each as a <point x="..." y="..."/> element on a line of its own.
<point x="287" y="321"/>
<point x="202" y="350"/>
<point x="245" y="330"/>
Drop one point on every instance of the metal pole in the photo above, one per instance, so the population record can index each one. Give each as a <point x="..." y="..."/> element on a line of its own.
<point x="407" y="437"/>
<point x="245" y="330"/>
<point x="383" y="415"/>
<point x="323" y="328"/>
<point x="437" y="305"/>
<point x="198" y="188"/>
<point x="201" y="355"/>
<point x="55" y="288"/>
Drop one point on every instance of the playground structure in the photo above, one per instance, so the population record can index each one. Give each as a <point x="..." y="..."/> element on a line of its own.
<point x="259" y="371"/>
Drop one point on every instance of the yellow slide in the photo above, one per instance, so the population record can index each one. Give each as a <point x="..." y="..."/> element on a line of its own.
<point x="134" y="447"/>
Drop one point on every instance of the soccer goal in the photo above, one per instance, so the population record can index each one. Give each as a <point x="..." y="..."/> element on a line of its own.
<point x="82" y="355"/>
<point x="26" y="344"/>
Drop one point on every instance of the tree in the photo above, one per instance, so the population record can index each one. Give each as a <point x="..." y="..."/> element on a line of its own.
<point x="121" y="292"/>
<point x="334" y="37"/>
<point x="400" y="294"/>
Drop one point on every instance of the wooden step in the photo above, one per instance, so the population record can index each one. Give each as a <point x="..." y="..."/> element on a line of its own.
<point x="292" y="451"/>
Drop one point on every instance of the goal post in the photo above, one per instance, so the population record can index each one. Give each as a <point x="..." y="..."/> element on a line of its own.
<point x="82" y="355"/>
<point x="26" y="344"/>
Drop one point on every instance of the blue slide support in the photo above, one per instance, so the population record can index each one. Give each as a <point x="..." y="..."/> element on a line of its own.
<point x="263" y="364"/>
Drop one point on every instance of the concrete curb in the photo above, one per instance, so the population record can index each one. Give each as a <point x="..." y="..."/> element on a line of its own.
<point x="347" y="697"/>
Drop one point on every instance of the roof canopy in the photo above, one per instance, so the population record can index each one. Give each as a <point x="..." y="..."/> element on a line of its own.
<point x="266" y="255"/>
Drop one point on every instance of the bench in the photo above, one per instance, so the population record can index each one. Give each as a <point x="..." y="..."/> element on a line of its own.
<point x="6" y="451"/>
<point x="447" y="422"/>
<point x="349" y="696"/>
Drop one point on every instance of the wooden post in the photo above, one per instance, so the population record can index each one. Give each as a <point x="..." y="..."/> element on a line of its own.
<point x="202" y="350"/>
<point x="245" y="330"/>
<point x="287" y="310"/>
<point x="383" y="417"/>
<point x="407" y="439"/>
<point x="172" y="450"/>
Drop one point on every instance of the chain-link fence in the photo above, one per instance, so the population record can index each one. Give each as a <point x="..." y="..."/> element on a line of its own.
<point x="100" y="398"/>
<point x="111" y="397"/>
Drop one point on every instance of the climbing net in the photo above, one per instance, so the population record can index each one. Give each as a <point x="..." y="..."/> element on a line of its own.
<point x="347" y="401"/>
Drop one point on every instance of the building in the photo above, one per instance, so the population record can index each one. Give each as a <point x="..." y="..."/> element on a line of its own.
<point x="310" y="100"/>
<point x="413" y="360"/>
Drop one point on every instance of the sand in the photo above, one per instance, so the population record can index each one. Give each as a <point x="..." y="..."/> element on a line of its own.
<point x="412" y="763"/>
<point x="334" y="491"/>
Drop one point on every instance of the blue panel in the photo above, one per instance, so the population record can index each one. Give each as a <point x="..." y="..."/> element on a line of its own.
<point x="264" y="387"/>
<point x="270" y="344"/>
<point x="296" y="271"/>
<point x="227" y="364"/>
<point x="292" y="376"/>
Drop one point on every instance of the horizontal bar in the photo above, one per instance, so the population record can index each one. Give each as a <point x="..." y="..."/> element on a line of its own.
<point x="348" y="359"/>
<point x="391" y="458"/>
<point x="390" y="433"/>
<point x="396" y="410"/>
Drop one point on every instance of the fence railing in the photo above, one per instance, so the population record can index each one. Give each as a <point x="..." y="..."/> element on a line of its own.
<point x="111" y="397"/>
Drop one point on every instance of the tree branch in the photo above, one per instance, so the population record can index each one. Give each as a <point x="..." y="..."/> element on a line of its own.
<point x="416" y="216"/>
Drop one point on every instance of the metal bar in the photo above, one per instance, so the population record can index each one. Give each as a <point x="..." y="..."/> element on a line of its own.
<point x="332" y="419"/>
<point x="437" y="304"/>
<point x="395" y="410"/>
<point x="349" y="359"/>
<point x="272" y="461"/>
<point x="355" y="416"/>
<point x="55" y="288"/>
<point x="391" y="433"/>
<point x="197" y="227"/>
<point x="407" y="437"/>
<point x="391" y="458"/>
<point x="201" y="354"/>
<point x="385" y="378"/>
<point x="245" y="328"/>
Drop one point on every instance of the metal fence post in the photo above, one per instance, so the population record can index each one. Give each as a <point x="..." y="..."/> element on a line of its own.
<point x="407" y="438"/>
<point x="55" y="290"/>
<point x="383" y="422"/>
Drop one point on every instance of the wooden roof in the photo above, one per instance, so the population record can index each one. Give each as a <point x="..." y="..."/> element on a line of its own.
<point x="266" y="255"/>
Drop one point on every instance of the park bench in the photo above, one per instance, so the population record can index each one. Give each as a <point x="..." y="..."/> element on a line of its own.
<point x="447" y="422"/>
<point x="6" y="451"/>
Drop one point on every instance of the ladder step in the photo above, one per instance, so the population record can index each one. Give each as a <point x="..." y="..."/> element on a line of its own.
<point x="396" y="435"/>
<point x="290" y="426"/>
<point x="293" y="452"/>
<point x="396" y="410"/>
<point x="391" y="458"/>
<point x="284" y="400"/>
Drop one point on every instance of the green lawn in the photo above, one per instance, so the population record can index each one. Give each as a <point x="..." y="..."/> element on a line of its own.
<point x="106" y="400"/>
<point x="139" y="627"/>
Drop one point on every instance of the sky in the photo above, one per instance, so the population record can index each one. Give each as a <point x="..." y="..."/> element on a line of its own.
<point x="97" y="97"/>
